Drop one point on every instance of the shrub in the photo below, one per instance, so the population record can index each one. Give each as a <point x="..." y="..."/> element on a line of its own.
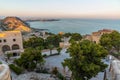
<point x="60" y="76"/>
<point x="42" y="71"/>
<point x="0" y="62"/>
<point x="117" y="55"/>
<point x="55" y="70"/>
<point x="9" y="55"/>
<point x="59" y="50"/>
<point x="16" y="69"/>
<point x="44" y="55"/>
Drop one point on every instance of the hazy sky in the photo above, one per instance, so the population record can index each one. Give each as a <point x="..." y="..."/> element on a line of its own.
<point x="61" y="8"/>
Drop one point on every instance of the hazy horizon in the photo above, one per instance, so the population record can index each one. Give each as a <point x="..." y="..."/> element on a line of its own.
<point x="61" y="18"/>
<point x="95" y="9"/>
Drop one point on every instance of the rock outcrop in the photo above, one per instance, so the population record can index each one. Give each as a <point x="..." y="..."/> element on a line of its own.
<point x="14" y="23"/>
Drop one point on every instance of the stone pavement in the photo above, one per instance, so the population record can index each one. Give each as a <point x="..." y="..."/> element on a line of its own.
<point x="33" y="76"/>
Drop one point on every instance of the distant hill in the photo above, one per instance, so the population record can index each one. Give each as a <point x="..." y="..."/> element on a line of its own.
<point x="44" y="20"/>
<point x="14" y="23"/>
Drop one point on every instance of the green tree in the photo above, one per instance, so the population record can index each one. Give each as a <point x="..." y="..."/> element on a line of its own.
<point x="60" y="35"/>
<point x="30" y="58"/>
<point x="49" y="33"/>
<point x="16" y="69"/>
<point x="67" y="35"/>
<point x="53" y="40"/>
<point x="51" y="48"/>
<point x="85" y="59"/>
<point x="75" y="37"/>
<point x="111" y="41"/>
<point x="9" y="55"/>
<point x="33" y="42"/>
<point x="59" y="50"/>
<point x="106" y="41"/>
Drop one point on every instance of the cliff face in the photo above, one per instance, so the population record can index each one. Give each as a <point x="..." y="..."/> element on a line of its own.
<point x="14" y="23"/>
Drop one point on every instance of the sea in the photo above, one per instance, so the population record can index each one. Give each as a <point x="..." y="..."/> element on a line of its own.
<point x="82" y="26"/>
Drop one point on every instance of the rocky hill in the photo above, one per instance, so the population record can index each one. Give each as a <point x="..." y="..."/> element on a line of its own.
<point x="14" y="23"/>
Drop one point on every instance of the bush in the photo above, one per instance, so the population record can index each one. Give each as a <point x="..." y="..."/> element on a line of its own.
<point x="57" y="73"/>
<point x="0" y="62"/>
<point x="55" y="70"/>
<point x="60" y="76"/>
<point x="117" y="55"/>
<point x="44" y="55"/>
<point x="16" y="69"/>
<point x="42" y="71"/>
<point x="9" y="55"/>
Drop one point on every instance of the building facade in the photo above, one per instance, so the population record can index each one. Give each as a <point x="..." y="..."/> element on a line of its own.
<point x="11" y="42"/>
<point x="95" y="36"/>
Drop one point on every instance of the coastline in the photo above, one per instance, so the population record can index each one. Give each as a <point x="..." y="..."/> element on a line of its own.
<point x="82" y="26"/>
<point x="43" y="20"/>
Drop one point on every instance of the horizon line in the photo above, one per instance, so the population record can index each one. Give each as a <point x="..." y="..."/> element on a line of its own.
<point x="39" y="17"/>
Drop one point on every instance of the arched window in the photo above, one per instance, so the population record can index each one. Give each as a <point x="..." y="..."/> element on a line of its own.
<point x="15" y="47"/>
<point x="5" y="48"/>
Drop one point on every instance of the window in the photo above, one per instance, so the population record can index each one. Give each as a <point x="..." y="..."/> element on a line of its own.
<point x="14" y="40"/>
<point x="4" y="40"/>
<point x="5" y="48"/>
<point x="15" y="47"/>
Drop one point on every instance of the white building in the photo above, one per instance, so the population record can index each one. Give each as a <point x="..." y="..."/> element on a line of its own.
<point x="11" y="42"/>
<point x="4" y="72"/>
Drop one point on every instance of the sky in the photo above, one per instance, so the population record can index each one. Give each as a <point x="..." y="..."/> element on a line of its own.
<point x="61" y="8"/>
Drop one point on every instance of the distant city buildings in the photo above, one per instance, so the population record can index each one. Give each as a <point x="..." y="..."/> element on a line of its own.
<point x="95" y="36"/>
<point x="11" y="42"/>
<point x="4" y="72"/>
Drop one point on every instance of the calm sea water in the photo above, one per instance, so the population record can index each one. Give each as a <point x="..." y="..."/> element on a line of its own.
<point x="82" y="26"/>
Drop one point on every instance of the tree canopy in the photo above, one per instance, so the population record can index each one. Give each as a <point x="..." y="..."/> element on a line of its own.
<point x="75" y="37"/>
<point x="30" y="58"/>
<point x="53" y="40"/>
<point x="111" y="41"/>
<point x="59" y="50"/>
<point x="51" y="48"/>
<point x="40" y="42"/>
<point x="33" y="42"/>
<point x="85" y="59"/>
<point x="67" y="35"/>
